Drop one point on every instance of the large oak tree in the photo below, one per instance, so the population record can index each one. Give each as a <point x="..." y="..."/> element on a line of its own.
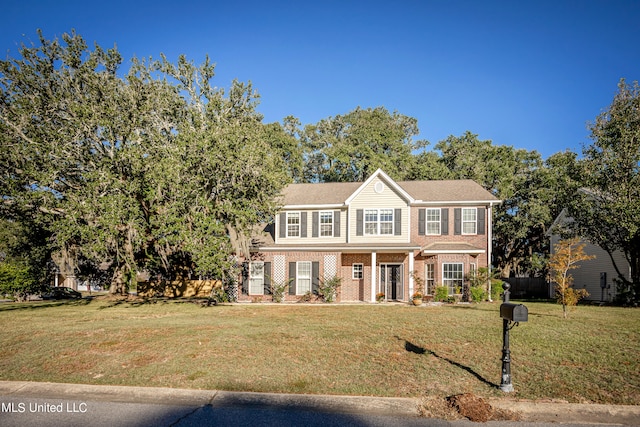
<point x="150" y="168"/>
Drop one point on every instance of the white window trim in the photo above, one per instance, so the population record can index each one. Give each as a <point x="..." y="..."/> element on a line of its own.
<point x="378" y="222"/>
<point x="475" y="221"/>
<point x="299" y="277"/>
<point x="330" y="215"/>
<point x="353" y="270"/>
<point x="252" y="278"/>
<point x="445" y="281"/>
<point x="438" y="222"/>
<point x="299" y="224"/>
<point x="429" y="277"/>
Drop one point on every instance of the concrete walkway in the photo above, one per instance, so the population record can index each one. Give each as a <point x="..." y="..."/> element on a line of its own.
<point x="539" y="412"/>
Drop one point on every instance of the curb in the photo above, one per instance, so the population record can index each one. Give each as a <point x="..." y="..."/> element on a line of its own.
<point x="571" y="413"/>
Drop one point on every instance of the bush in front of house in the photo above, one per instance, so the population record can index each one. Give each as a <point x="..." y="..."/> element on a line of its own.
<point x="328" y="288"/>
<point x="441" y="294"/>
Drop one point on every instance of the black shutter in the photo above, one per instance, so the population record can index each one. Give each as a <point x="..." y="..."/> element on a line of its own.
<point x="359" y="222"/>
<point x="336" y="224"/>
<point x="422" y="222"/>
<point x="444" y="221"/>
<point x="267" y="278"/>
<point x="457" y="218"/>
<point x="397" y="218"/>
<point x="283" y="225"/>
<point x="481" y="215"/>
<point x="245" y="278"/>
<point x="315" y="277"/>
<point x="292" y="278"/>
<point x="315" y="224"/>
<point x="303" y="224"/>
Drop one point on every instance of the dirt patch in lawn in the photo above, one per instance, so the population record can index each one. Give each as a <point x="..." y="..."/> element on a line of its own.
<point x="461" y="406"/>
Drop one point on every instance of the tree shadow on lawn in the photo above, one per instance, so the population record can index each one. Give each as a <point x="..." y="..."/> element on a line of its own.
<point x="32" y="305"/>
<point x="412" y="348"/>
<point x="132" y="301"/>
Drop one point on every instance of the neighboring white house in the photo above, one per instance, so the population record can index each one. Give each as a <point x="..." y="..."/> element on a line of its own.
<point x="595" y="275"/>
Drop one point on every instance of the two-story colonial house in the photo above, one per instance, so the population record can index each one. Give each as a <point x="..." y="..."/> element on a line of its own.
<point x="377" y="236"/>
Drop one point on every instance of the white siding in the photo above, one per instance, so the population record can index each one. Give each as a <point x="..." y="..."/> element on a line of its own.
<point x="310" y="239"/>
<point x="369" y="198"/>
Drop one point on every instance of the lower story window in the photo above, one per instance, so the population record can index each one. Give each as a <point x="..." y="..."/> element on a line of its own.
<point x="303" y="277"/>
<point x="452" y="277"/>
<point x="357" y="271"/>
<point x="256" y="278"/>
<point x="430" y="278"/>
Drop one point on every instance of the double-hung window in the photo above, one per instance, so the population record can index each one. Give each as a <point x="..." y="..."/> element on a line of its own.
<point x="293" y="224"/>
<point x="256" y="278"/>
<point x="430" y="278"/>
<point x="433" y="221"/>
<point x="326" y="224"/>
<point x="371" y="222"/>
<point x="378" y="222"/>
<point x="469" y="220"/>
<point x="452" y="277"/>
<point x="386" y="221"/>
<point x="303" y="277"/>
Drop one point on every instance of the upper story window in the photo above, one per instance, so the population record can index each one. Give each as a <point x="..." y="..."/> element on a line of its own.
<point x="469" y="220"/>
<point x="433" y="221"/>
<point x="378" y="222"/>
<point x="293" y="224"/>
<point x="326" y="224"/>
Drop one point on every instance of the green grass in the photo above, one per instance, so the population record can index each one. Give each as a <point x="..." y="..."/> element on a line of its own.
<point x="377" y="349"/>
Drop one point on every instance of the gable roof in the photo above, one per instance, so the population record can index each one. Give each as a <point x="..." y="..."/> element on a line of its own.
<point x="387" y="180"/>
<point x="419" y="192"/>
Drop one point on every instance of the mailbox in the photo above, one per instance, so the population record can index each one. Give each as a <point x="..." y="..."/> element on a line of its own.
<point x="514" y="312"/>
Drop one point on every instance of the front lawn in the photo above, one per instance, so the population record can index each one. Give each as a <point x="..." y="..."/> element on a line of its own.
<point x="366" y="349"/>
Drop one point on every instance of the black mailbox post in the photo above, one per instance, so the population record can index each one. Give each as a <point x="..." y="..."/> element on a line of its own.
<point x="510" y="313"/>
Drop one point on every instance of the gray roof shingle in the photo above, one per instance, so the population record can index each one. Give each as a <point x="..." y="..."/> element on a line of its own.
<point x="335" y="193"/>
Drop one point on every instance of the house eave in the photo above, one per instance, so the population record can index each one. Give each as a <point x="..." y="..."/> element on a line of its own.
<point x="314" y="207"/>
<point x="456" y="203"/>
<point x="454" y="252"/>
<point x="345" y="248"/>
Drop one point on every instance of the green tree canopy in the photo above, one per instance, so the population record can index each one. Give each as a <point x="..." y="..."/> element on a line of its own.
<point x="153" y="170"/>
<point x="350" y="147"/>
<point x="606" y="213"/>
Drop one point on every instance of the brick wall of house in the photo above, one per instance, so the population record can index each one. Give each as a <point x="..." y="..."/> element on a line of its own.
<point x="325" y="269"/>
<point x="478" y="241"/>
<point x="355" y="289"/>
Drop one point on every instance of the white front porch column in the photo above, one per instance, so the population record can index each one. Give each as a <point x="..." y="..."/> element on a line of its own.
<point x="410" y="273"/>
<point x="374" y="276"/>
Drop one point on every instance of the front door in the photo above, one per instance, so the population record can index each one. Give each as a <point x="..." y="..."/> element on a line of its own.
<point x="391" y="281"/>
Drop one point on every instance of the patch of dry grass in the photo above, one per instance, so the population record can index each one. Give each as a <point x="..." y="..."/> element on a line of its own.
<point x="381" y="349"/>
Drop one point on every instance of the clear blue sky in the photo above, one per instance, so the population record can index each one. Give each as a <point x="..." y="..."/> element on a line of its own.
<point x="528" y="74"/>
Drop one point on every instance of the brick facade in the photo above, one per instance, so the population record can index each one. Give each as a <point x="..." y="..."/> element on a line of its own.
<point x="394" y="254"/>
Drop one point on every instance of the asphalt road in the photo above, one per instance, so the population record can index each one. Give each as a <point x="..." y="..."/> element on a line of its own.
<point x="64" y="413"/>
<point x="47" y="404"/>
